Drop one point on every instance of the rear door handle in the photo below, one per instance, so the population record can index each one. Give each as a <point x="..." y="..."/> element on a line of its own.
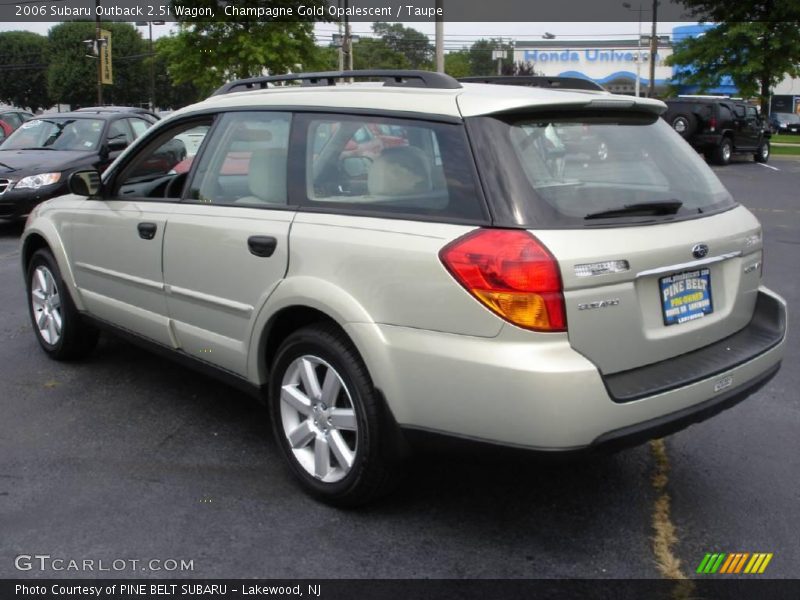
<point x="262" y="245"/>
<point x="147" y="231"/>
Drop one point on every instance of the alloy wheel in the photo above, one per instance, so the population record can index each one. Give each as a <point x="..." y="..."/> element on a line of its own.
<point x="319" y="419"/>
<point x="46" y="303"/>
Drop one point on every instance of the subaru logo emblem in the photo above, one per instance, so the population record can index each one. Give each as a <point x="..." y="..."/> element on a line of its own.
<point x="699" y="250"/>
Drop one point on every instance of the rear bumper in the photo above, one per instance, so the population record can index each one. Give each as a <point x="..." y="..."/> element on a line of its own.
<point x="668" y="424"/>
<point x="538" y="393"/>
<point x="765" y="330"/>
<point x="707" y="141"/>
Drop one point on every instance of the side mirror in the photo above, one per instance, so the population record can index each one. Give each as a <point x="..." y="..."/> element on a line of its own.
<point x="117" y="144"/>
<point x="85" y="183"/>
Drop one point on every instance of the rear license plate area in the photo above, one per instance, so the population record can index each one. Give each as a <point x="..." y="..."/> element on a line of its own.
<point x="685" y="296"/>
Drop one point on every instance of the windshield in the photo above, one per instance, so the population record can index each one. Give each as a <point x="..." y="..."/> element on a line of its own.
<point x="560" y="170"/>
<point x="56" y="133"/>
<point x="788" y="118"/>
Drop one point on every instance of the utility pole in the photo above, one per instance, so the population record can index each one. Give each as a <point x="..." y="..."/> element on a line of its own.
<point x="341" y="40"/>
<point x="439" y="37"/>
<point x="97" y="43"/>
<point x="152" y="71"/>
<point x="653" y="50"/>
<point x="348" y="40"/>
<point x="638" y="45"/>
<point x="149" y="24"/>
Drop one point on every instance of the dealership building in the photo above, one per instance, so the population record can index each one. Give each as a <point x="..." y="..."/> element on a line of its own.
<point x="616" y="64"/>
<point x="611" y="63"/>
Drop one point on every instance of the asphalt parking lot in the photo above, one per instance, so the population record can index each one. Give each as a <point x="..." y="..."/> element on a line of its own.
<point x="128" y="457"/>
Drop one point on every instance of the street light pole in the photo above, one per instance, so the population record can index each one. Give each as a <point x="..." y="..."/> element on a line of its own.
<point x="152" y="70"/>
<point x="439" y="38"/>
<point x="638" y="46"/>
<point x="152" y="99"/>
<point x="97" y="42"/>
<point x="653" y="50"/>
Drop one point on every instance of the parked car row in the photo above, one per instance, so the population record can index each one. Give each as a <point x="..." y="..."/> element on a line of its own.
<point x="38" y="156"/>
<point x="11" y="119"/>
<point x="788" y="123"/>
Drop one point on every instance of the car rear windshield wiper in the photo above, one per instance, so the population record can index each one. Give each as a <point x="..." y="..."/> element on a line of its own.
<point x="667" y="207"/>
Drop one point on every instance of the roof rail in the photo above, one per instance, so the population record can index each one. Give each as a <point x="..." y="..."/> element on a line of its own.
<point x="405" y="78"/>
<point x="567" y="83"/>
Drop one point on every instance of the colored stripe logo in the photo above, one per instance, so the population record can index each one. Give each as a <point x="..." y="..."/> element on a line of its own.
<point x="735" y="563"/>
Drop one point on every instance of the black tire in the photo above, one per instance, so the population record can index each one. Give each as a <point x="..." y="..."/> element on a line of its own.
<point x="762" y="154"/>
<point x="75" y="338"/>
<point x="722" y="153"/>
<point x="684" y="123"/>
<point x="374" y="470"/>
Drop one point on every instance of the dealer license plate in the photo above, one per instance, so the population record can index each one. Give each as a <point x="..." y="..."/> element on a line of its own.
<point x="686" y="296"/>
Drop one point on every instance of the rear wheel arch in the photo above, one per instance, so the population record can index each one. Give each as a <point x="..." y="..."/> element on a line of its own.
<point x="285" y="322"/>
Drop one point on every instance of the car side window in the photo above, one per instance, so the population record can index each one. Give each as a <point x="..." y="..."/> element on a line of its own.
<point x="160" y="168"/>
<point x="739" y="111"/>
<point x="246" y="161"/>
<point x="12" y="119"/>
<point x="752" y="113"/>
<point x="139" y="126"/>
<point x="119" y="133"/>
<point x="384" y="165"/>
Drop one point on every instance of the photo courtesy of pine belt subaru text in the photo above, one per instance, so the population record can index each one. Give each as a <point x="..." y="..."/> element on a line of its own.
<point x="407" y="256"/>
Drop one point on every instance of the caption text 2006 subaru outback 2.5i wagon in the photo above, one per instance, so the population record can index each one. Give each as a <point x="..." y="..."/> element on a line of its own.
<point x="413" y="254"/>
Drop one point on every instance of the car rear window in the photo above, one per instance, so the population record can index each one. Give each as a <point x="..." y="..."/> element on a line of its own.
<point x="568" y="170"/>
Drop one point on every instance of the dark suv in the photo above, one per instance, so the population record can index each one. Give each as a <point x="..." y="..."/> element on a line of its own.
<point x="718" y="127"/>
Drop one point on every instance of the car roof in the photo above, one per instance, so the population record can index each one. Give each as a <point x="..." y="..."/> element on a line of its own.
<point x="567" y="83"/>
<point x="463" y="100"/>
<point x="106" y="116"/>
<point x="130" y="109"/>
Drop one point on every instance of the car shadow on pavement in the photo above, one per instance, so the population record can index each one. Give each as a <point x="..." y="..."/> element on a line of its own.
<point x="10" y="230"/>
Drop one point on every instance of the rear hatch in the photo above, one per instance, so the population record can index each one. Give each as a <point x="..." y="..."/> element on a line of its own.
<point x="638" y="295"/>
<point x="656" y="258"/>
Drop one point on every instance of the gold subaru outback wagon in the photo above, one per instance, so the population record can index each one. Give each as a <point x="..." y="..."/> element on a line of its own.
<point x="408" y="255"/>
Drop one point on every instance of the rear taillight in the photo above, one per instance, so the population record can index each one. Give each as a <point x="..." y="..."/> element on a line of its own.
<point x="712" y="124"/>
<point x="512" y="273"/>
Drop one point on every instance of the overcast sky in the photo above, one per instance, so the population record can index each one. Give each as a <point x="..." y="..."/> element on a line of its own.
<point x="456" y="34"/>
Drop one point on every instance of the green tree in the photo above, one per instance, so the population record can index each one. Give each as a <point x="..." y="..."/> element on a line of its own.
<point x="372" y="53"/>
<point x="72" y="75"/>
<point x="755" y="43"/>
<point x="410" y="43"/>
<point x="208" y="54"/>
<point x="480" y="56"/>
<point x="457" y="64"/>
<point x="168" y="93"/>
<point x="23" y="64"/>
<point x="325" y="58"/>
<point x="520" y="68"/>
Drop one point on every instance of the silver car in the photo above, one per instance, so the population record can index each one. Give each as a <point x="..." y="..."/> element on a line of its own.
<point x="408" y="257"/>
